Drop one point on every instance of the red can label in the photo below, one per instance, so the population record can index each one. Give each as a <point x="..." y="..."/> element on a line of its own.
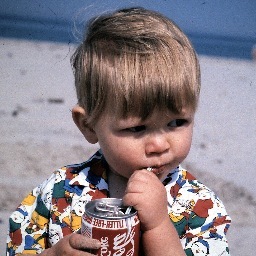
<point x="118" y="236"/>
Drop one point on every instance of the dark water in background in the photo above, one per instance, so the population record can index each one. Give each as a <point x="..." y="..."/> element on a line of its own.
<point x="220" y="28"/>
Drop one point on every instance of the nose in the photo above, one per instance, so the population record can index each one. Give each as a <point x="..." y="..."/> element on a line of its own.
<point x="157" y="143"/>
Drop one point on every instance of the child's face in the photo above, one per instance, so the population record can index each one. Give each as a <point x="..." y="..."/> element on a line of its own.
<point x="162" y="141"/>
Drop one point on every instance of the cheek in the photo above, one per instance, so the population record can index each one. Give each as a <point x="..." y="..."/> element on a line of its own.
<point x="184" y="145"/>
<point x="118" y="156"/>
<point x="110" y="148"/>
<point x="118" y="146"/>
<point x="187" y="145"/>
<point x="121" y="156"/>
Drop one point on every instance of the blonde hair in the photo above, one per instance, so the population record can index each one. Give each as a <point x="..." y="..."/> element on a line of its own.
<point x="133" y="61"/>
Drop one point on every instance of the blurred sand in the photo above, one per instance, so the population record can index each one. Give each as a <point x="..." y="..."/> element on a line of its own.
<point x="38" y="135"/>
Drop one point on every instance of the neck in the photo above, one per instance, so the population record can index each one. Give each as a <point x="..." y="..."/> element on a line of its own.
<point x="116" y="185"/>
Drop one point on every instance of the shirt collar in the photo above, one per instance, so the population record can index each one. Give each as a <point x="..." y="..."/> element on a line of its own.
<point x="90" y="173"/>
<point x="93" y="173"/>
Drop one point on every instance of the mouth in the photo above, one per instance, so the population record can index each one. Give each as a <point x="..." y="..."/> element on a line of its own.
<point x="157" y="170"/>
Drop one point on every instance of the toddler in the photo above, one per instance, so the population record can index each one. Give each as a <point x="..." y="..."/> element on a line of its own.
<point x="137" y="80"/>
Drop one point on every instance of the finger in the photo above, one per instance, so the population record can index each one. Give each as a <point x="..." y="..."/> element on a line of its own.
<point x="143" y="175"/>
<point x="81" y="242"/>
<point x="140" y="181"/>
<point x="132" y="200"/>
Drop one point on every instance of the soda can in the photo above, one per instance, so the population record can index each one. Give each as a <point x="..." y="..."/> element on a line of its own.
<point x="108" y="221"/>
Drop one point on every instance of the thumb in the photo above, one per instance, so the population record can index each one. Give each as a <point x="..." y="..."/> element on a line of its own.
<point x="81" y="242"/>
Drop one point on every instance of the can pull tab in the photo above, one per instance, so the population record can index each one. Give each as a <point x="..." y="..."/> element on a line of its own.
<point x="105" y="209"/>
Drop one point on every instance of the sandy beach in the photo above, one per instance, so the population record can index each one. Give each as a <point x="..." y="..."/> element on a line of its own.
<point x="38" y="135"/>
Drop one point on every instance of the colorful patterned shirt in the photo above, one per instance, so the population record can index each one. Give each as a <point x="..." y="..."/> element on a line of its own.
<point x="54" y="209"/>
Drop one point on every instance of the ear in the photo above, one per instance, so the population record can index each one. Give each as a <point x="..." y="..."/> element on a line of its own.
<point x="80" y="117"/>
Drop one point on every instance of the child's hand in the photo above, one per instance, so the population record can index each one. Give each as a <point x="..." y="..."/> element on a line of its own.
<point x="147" y="195"/>
<point x="75" y="245"/>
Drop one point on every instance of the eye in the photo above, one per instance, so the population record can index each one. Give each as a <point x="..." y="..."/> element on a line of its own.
<point x="136" y="129"/>
<point x="177" y="122"/>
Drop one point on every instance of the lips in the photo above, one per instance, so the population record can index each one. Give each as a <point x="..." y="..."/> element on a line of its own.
<point x="157" y="170"/>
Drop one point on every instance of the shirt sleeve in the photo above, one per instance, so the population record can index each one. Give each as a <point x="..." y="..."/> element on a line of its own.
<point x="29" y="222"/>
<point x="207" y="225"/>
<point x="198" y="215"/>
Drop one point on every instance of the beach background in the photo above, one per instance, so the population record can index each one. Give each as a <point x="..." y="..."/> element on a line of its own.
<point x="37" y="133"/>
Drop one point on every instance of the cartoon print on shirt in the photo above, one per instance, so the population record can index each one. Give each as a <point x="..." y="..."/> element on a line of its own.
<point x="59" y="175"/>
<point x="58" y="190"/>
<point x="55" y="234"/>
<point x="198" y="248"/>
<point x="18" y="216"/>
<point x="77" y="211"/>
<point x="54" y="210"/>
<point x="29" y="199"/>
<point x="180" y="212"/>
<point x="201" y="209"/>
<point x="17" y="220"/>
<point x="33" y="243"/>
